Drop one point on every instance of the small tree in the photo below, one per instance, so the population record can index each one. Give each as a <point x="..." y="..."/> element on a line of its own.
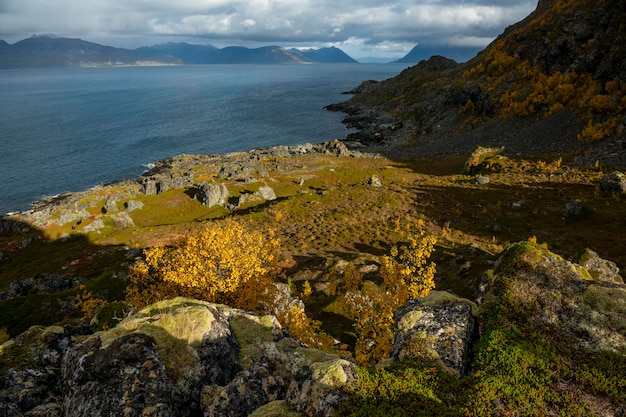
<point x="226" y="262"/>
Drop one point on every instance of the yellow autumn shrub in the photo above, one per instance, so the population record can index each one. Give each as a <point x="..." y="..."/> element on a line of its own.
<point x="226" y="262"/>
<point x="407" y="273"/>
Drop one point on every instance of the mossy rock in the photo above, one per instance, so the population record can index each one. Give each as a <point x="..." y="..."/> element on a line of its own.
<point x="22" y="351"/>
<point x="254" y="334"/>
<point x="484" y="160"/>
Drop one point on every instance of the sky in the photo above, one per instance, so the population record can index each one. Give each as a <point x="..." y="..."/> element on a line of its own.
<point x="362" y="28"/>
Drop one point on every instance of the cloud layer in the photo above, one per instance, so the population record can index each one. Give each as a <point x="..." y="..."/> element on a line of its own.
<point x="376" y="26"/>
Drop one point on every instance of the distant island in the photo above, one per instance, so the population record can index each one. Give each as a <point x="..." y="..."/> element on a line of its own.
<point x="50" y="51"/>
<point x="46" y="51"/>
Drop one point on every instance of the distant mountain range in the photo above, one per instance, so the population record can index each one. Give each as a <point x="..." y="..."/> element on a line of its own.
<point x="50" y="51"/>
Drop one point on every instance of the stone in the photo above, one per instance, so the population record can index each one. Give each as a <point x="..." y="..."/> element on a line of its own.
<point x="615" y="182"/>
<point x="111" y="205"/>
<point x="573" y="208"/>
<point x="600" y="269"/>
<point x="212" y="194"/>
<point x="94" y="226"/>
<point x="267" y="193"/>
<point x="122" y="220"/>
<point x="440" y="326"/>
<point x="480" y="180"/>
<point x="73" y="216"/>
<point x="374" y="181"/>
<point x="133" y="205"/>
<point x="559" y="298"/>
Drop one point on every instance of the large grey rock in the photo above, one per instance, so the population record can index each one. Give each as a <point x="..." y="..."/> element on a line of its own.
<point x="559" y="298"/>
<point x="439" y="326"/>
<point x="212" y="194"/>
<point x="133" y="205"/>
<point x="266" y="192"/>
<point x="122" y="220"/>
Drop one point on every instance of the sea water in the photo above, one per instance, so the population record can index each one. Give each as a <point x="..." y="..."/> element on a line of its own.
<point x="68" y="129"/>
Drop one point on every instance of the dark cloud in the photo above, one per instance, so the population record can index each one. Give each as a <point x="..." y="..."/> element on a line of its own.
<point x="361" y="27"/>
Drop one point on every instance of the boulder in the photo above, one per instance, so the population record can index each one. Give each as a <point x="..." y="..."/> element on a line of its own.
<point x="212" y="194"/>
<point x="178" y="357"/>
<point x="111" y="205"/>
<point x="600" y="269"/>
<point x="72" y="216"/>
<point x="374" y="181"/>
<point x="440" y="326"/>
<point x="615" y="182"/>
<point x="31" y="384"/>
<point x="94" y="226"/>
<point x="540" y="289"/>
<point x="266" y="193"/>
<point x="480" y="180"/>
<point x="122" y="220"/>
<point x="133" y="205"/>
<point x="484" y="160"/>
<point x="572" y="209"/>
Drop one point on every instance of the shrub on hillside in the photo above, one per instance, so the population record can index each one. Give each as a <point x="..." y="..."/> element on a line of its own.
<point x="226" y="262"/>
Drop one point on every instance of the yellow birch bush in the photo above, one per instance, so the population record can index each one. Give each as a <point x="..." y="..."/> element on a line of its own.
<point x="407" y="273"/>
<point x="226" y="262"/>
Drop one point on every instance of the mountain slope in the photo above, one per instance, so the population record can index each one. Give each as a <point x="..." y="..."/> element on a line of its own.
<point x="330" y="55"/>
<point x="554" y="82"/>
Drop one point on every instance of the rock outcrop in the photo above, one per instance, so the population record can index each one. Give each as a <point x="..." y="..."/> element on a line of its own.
<point x="174" y="358"/>
<point x="560" y="298"/>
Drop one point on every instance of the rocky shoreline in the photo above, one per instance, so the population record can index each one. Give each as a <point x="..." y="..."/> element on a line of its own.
<point x="119" y="198"/>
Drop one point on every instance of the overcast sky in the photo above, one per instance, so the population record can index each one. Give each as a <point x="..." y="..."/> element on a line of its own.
<point x="362" y="28"/>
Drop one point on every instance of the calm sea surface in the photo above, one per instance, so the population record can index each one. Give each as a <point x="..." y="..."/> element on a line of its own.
<point x="72" y="128"/>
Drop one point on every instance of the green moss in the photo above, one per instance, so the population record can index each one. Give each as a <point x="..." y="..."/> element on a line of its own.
<point x="251" y="333"/>
<point x="409" y="320"/>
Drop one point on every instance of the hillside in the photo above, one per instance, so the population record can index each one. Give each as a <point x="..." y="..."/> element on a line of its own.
<point x="436" y="276"/>
<point x="551" y="83"/>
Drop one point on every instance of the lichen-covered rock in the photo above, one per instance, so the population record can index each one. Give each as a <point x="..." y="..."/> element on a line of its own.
<point x="559" y="298"/>
<point x="30" y="366"/>
<point x="278" y="408"/>
<point x="133" y="205"/>
<point x="439" y="326"/>
<point x="122" y="220"/>
<point x="126" y="378"/>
